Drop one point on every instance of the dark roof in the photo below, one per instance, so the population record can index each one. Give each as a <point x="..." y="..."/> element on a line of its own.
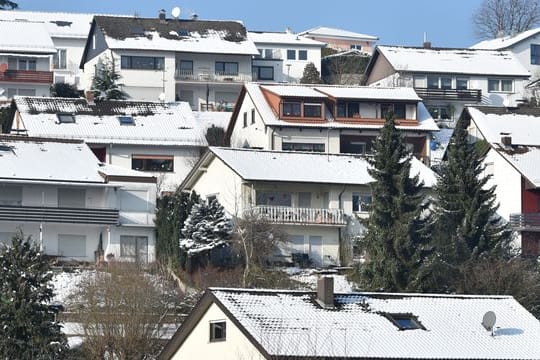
<point x="176" y="29"/>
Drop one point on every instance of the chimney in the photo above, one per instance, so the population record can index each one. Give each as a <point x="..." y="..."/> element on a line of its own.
<point x="325" y="292"/>
<point x="194" y="17"/>
<point x="162" y="14"/>
<point x="506" y="140"/>
<point x="288" y="30"/>
<point x="426" y="44"/>
<point x="89" y="95"/>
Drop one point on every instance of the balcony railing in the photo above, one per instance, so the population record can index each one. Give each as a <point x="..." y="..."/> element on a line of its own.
<point x="449" y="94"/>
<point x="186" y="75"/>
<point x="525" y="221"/>
<point x="58" y="215"/>
<point x="291" y="215"/>
<point x="42" y="77"/>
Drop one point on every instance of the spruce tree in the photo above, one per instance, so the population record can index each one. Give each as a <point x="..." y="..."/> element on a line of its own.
<point x="28" y="329"/>
<point x="311" y="75"/>
<point x="397" y="234"/>
<point x="105" y="82"/>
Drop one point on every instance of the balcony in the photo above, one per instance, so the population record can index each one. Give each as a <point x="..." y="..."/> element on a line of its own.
<point x="185" y="75"/>
<point x="449" y="94"/>
<point x="58" y="215"/>
<point x="301" y="216"/>
<point x="525" y="221"/>
<point x="27" y="76"/>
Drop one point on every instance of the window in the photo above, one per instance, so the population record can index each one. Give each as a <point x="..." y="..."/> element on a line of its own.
<point x="433" y="82"/>
<point x="439" y="82"/>
<point x="27" y="64"/>
<point x="356" y="47"/>
<point x="462" y="84"/>
<point x="440" y="112"/>
<point x="304" y="199"/>
<point x="292" y="109"/>
<point x="71" y="245"/>
<point x="142" y="62"/>
<point x="274" y="198"/>
<point x="307" y="147"/>
<point x="399" y="110"/>
<point x="226" y="68"/>
<point x="71" y="198"/>
<point x="291" y="54"/>
<point x="11" y="195"/>
<point x="126" y="120"/>
<point x="535" y="54"/>
<point x="302" y="54"/>
<point x="161" y="163"/>
<point x="263" y="73"/>
<point x="312" y="110"/>
<point x="245" y="119"/>
<point x="59" y="59"/>
<point x="134" y="247"/>
<point x="405" y="321"/>
<point x="268" y="54"/>
<point x="361" y="202"/>
<point x="349" y="110"/>
<point x="218" y="331"/>
<point x="500" y="85"/>
<point x="65" y="118"/>
<point x="186" y="67"/>
<point x="253" y="116"/>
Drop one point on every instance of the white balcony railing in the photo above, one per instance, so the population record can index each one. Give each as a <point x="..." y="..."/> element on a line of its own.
<point x="187" y="75"/>
<point x="291" y="215"/>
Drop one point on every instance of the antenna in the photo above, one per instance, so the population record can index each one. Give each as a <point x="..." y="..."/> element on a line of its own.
<point x="175" y="12"/>
<point x="488" y="321"/>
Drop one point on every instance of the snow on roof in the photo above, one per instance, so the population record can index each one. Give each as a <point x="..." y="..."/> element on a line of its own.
<point x="337" y="33"/>
<point x="300" y="167"/>
<point x="25" y="37"/>
<point x="58" y="24"/>
<point x="154" y="123"/>
<point x="505" y="41"/>
<point x="291" y="323"/>
<point x="194" y="36"/>
<point x="294" y="91"/>
<point x="285" y="38"/>
<point x="455" y="61"/>
<point x="372" y="93"/>
<point x="207" y="119"/>
<point x="441" y="139"/>
<point x="525" y="159"/>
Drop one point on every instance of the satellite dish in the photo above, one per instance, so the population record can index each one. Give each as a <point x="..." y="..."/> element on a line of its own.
<point x="488" y="321"/>
<point x="175" y="12"/>
<point x="161" y="96"/>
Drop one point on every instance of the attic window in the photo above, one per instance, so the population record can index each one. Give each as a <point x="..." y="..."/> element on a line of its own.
<point x="405" y="321"/>
<point x="218" y="331"/>
<point x="126" y="120"/>
<point x="66" y="118"/>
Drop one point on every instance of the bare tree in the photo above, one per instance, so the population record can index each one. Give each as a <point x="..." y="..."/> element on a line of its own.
<point x="505" y="17"/>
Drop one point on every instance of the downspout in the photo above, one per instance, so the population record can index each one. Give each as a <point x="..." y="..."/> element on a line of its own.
<point x="340" y="242"/>
<point x="110" y="153"/>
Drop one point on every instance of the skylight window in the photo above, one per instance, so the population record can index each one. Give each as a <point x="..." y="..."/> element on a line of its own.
<point x="66" y="118"/>
<point x="126" y="120"/>
<point x="405" y="321"/>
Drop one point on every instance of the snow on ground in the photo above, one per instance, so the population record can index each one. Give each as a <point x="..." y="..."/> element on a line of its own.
<point x="309" y="278"/>
<point x="66" y="283"/>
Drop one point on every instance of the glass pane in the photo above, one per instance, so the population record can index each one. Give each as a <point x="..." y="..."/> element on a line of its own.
<point x="493" y="85"/>
<point x="312" y="110"/>
<point x="353" y="110"/>
<point x="291" y="54"/>
<point x="159" y="63"/>
<point x="273" y="198"/>
<point x="399" y="111"/>
<point x="341" y="110"/>
<point x="304" y="199"/>
<point x="302" y="54"/>
<point x="446" y="83"/>
<point x="266" y="73"/>
<point x="355" y="202"/>
<point x="462" y="84"/>
<point x="433" y="82"/>
<point x="291" y="109"/>
<point x="142" y="62"/>
<point x="506" y="85"/>
<point x="125" y="62"/>
<point x="231" y="69"/>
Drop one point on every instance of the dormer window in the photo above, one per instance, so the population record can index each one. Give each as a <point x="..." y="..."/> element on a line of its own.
<point x="405" y="321"/>
<point x="66" y="118"/>
<point x="312" y="110"/>
<point x="292" y="109"/>
<point x="126" y="120"/>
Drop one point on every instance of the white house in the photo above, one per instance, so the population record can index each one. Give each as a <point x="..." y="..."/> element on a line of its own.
<point x="72" y="205"/>
<point x="26" y="52"/>
<point x="316" y="198"/>
<point x="513" y="162"/>
<point x="67" y="31"/>
<point x="341" y="40"/>
<point x="164" y="140"/>
<point x="287" y="324"/>
<point x="203" y="62"/>
<point x="283" y="56"/>
<point x="328" y="119"/>
<point x="449" y="79"/>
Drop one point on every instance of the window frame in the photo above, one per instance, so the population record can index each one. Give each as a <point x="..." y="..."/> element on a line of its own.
<point x="59" y="60"/>
<point x="499" y="82"/>
<point x="257" y="71"/>
<point x="395" y="319"/>
<point x="252" y="116"/>
<point x="126" y="63"/>
<point x="146" y="161"/>
<point x="215" y="325"/>
<point x="359" y="202"/>
<point x="245" y="123"/>
<point x="308" y="105"/>
<point x="294" y="105"/>
<point x="302" y="55"/>
<point x="187" y="71"/>
<point x="535" y="54"/>
<point x="304" y="147"/>
<point x="291" y="54"/>
<point x="224" y="65"/>
<point x="65" y="118"/>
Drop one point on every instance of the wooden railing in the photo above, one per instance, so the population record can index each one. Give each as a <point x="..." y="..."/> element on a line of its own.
<point x="43" y="77"/>
<point x="59" y="215"/>
<point x="449" y="94"/>
<point x="187" y="75"/>
<point x="291" y="215"/>
<point x="525" y="221"/>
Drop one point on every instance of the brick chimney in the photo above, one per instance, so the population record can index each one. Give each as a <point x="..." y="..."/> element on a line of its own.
<point x="325" y="292"/>
<point x="506" y="140"/>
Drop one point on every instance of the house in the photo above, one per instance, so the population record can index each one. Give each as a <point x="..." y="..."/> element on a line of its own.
<point x="68" y="33"/>
<point x="286" y="324"/>
<point x="323" y="118"/>
<point x="71" y="204"/>
<point x="341" y="40"/>
<point x="317" y="199"/>
<point x="283" y="56"/>
<point x="25" y="59"/>
<point x="525" y="46"/>
<point x="448" y="79"/>
<point x="163" y="140"/>
<point x="202" y="62"/>
<point x="512" y="161"/>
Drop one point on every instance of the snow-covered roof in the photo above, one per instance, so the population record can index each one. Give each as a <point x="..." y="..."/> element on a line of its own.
<point x="285" y="38"/>
<point x="178" y="35"/>
<point x="207" y="119"/>
<point x="27" y="37"/>
<point x="154" y="123"/>
<point x="58" y="24"/>
<point x="329" y="32"/>
<point x="300" y="167"/>
<point x="294" y="91"/>
<point x="525" y="159"/>
<point x="291" y="323"/>
<point x="454" y="61"/>
<point x="371" y="93"/>
<point x="505" y="41"/>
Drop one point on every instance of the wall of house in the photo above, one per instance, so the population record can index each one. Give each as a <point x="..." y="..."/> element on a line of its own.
<point x="382" y="69"/>
<point x="320" y="243"/>
<point x="253" y="135"/>
<point x="221" y="96"/>
<point x="197" y="345"/>
<point x="74" y="50"/>
<point x="522" y="52"/>
<point x="344" y="44"/>
<point x="280" y="71"/>
<point x="113" y="246"/>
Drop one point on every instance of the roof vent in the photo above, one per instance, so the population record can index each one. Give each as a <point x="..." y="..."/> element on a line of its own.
<point x="325" y="292"/>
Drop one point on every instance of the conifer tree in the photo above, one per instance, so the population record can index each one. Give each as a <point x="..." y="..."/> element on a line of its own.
<point x="28" y="329"/>
<point x="397" y="233"/>
<point x="311" y="75"/>
<point x="105" y="82"/>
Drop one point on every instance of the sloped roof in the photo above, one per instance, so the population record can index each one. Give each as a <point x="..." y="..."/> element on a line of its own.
<point x="453" y="61"/>
<point x="27" y="37"/>
<point x="294" y="91"/>
<point x="58" y="24"/>
<point x="325" y="31"/>
<point x="195" y="36"/>
<point x="371" y="93"/>
<point x="285" y="38"/>
<point x="300" y="167"/>
<point x="525" y="159"/>
<point x="506" y="41"/>
<point x="155" y="123"/>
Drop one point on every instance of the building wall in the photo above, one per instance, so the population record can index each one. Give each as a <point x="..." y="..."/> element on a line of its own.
<point x="522" y="51"/>
<point x="74" y="50"/>
<point x="198" y="345"/>
<point x="325" y="255"/>
<point x="222" y="96"/>
<point x="344" y="44"/>
<point x="382" y="69"/>
<point x="253" y="135"/>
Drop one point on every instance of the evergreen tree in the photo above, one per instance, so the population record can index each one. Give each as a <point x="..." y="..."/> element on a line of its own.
<point x="64" y="90"/>
<point x="105" y="82"/>
<point x="7" y="4"/>
<point x="397" y="233"/>
<point x="28" y="329"/>
<point x="311" y="75"/>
